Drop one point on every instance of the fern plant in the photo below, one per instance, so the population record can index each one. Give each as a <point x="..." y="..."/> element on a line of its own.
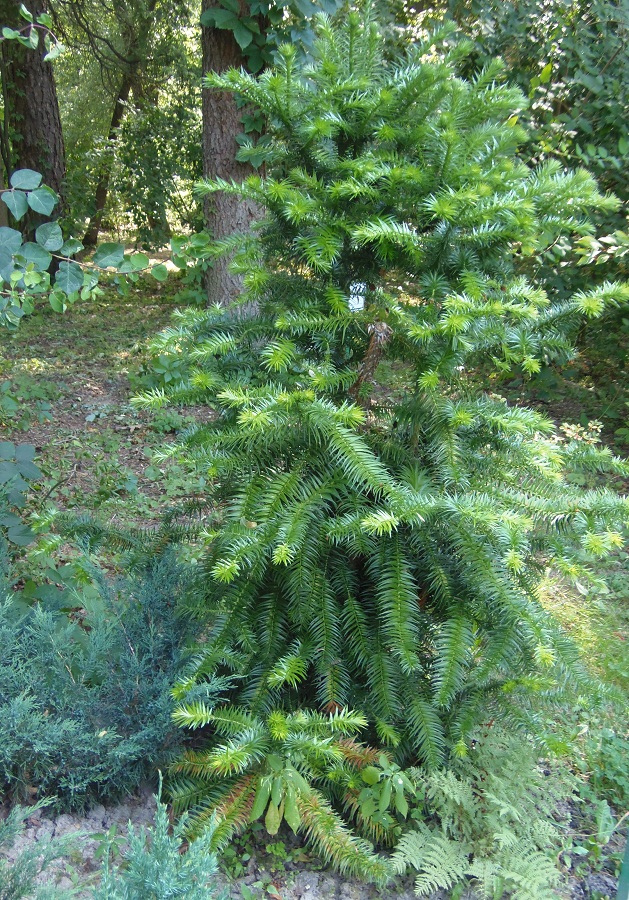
<point x="488" y="821"/>
<point x="371" y="548"/>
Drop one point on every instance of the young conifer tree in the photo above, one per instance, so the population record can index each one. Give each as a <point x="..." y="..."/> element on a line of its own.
<point x="374" y="547"/>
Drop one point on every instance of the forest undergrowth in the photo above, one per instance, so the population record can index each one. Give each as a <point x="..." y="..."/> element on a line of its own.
<point x="65" y="387"/>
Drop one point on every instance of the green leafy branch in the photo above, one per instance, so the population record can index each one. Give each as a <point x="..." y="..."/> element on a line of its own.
<point x="25" y="265"/>
<point x="29" y="34"/>
<point x="17" y="469"/>
<point x="287" y="766"/>
<point x="260" y="26"/>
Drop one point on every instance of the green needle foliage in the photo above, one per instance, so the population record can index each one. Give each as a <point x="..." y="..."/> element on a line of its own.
<point x="19" y="878"/>
<point x="373" y="547"/>
<point x="269" y="767"/>
<point x="85" y="676"/>
<point x="155" y="866"/>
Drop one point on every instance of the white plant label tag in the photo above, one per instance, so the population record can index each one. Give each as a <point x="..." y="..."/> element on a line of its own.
<point x="357" y="294"/>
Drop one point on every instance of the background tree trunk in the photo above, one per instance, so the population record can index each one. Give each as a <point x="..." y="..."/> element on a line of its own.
<point x="133" y="61"/>
<point x="224" y="214"/>
<point x="102" y="188"/>
<point x="31" y="103"/>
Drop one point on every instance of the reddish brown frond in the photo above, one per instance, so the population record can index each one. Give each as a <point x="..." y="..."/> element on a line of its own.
<point x="360" y="755"/>
<point x="234" y="810"/>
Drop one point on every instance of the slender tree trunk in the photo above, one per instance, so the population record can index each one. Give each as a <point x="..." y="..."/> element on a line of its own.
<point x="31" y="103"/>
<point x="4" y="212"/>
<point x="224" y="213"/>
<point x="102" y="187"/>
<point x="136" y="56"/>
<point x="5" y="143"/>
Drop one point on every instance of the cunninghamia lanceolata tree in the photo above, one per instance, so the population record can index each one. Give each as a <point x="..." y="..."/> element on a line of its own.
<point x="379" y="548"/>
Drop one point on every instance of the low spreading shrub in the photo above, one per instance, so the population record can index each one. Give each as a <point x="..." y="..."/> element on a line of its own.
<point x="85" y="706"/>
<point x="154" y="865"/>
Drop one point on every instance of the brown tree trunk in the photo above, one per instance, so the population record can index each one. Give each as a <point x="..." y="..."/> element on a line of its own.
<point x="102" y="188"/>
<point x="224" y="213"/>
<point x="31" y="102"/>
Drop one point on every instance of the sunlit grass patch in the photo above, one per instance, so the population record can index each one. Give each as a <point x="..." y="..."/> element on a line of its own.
<point x="596" y="619"/>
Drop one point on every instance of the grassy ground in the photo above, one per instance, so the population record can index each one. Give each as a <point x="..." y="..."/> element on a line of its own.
<point x="65" y="386"/>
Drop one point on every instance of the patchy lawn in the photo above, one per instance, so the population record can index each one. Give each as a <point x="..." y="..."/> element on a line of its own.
<point x="65" y="386"/>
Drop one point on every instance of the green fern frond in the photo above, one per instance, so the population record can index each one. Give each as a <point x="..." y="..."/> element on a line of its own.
<point x="442" y="863"/>
<point x="530" y="874"/>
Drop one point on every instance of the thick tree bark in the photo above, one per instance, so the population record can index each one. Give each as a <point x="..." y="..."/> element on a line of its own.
<point x="224" y="213"/>
<point x="31" y="103"/>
